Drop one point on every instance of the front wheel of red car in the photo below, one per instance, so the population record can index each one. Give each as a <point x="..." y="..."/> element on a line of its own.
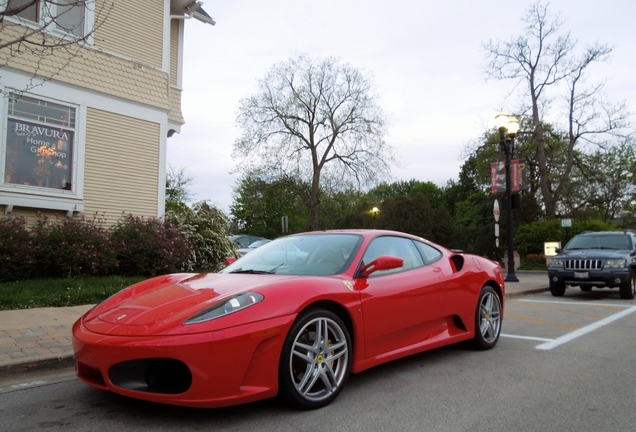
<point x="316" y="360"/>
<point x="488" y="317"/>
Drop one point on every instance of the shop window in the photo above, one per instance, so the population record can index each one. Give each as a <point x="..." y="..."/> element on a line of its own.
<point x="40" y="144"/>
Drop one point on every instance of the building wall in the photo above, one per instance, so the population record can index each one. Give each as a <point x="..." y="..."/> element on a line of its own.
<point x="126" y="106"/>
<point x="122" y="165"/>
<point x="133" y="29"/>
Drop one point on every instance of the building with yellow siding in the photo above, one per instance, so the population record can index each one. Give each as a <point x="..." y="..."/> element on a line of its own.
<point x="85" y="125"/>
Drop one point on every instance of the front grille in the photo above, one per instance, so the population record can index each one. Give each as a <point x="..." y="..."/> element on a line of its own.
<point x="583" y="264"/>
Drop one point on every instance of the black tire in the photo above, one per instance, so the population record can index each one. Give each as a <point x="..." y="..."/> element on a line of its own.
<point x="586" y="288"/>
<point x="488" y="318"/>
<point x="315" y="361"/>
<point x="629" y="287"/>
<point x="557" y="289"/>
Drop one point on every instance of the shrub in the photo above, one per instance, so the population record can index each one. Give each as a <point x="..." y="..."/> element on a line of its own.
<point x="73" y="247"/>
<point x="148" y="246"/>
<point x="205" y="227"/>
<point x="17" y="250"/>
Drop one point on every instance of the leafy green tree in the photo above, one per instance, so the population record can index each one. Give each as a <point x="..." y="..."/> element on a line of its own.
<point x="408" y="188"/>
<point x="315" y="121"/>
<point x="610" y="186"/>
<point x="416" y="215"/>
<point x="259" y="205"/>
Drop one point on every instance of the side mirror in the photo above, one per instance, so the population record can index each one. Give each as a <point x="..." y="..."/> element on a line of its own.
<point x="383" y="262"/>
<point x="229" y="261"/>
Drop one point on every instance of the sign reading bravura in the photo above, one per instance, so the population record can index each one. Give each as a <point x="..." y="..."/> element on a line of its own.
<point x="38" y="155"/>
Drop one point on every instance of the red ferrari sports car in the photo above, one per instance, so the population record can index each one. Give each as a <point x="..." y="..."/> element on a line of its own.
<point x="294" y="317"/>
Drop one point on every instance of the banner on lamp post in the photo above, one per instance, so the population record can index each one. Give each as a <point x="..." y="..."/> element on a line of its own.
<point x="518" y="176"/>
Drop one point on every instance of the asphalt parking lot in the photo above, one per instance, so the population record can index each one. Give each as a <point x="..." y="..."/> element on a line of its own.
<point x="550" y="322"/>
<point x="561" y="364"/>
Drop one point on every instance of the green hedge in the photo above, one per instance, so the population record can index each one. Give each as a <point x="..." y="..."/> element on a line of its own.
<point x="53" y="248"/>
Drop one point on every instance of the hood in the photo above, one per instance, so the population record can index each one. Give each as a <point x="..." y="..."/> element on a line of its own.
<point x="593" y="254"/>
<point x="155" y="308"/>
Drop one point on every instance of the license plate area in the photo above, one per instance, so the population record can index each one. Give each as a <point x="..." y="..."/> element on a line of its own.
<point x="581" y="275"/>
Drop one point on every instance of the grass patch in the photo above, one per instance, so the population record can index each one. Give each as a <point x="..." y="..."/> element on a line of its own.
<point x="78" y="291"/>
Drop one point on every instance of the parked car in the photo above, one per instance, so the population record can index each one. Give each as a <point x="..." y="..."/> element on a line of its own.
<point x="242" y="251"/>
<point x="244" y="240"/>
<point x="605" y="259"/>
<point x="293" y="317"/>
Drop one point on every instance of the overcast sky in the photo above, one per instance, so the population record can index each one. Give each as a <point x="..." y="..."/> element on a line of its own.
<point x="426" y="60"/>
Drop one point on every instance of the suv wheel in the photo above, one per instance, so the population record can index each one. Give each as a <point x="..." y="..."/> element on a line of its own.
<point x="628" y="288"/>
<point x="557" y="289"/>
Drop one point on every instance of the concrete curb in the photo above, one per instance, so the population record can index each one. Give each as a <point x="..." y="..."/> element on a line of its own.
<point x="45" y="363"/>
<point x="526" y="292"/>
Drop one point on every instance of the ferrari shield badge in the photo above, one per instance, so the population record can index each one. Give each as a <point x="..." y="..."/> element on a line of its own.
<point x="348" y="285"/>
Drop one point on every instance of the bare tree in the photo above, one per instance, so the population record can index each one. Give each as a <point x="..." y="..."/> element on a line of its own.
<point x="39" y="29"/>
<point x="542" y="59"/>
<point x="315" y="121"/>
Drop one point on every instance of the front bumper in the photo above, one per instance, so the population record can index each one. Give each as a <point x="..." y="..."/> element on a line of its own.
<point x="214" y="369"/>
<point x="596" y="278"/>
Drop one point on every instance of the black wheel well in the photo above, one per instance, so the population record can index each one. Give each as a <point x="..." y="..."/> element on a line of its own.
<point x="336" y="308"/>
<point x="494" y="285"/>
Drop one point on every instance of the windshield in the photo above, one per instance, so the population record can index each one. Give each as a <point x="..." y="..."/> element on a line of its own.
<point x="601" y="241"/>
<point x="305" y="254"/>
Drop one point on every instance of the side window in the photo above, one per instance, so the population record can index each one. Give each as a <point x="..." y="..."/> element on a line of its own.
<point x="394" y="246"/>
<point x="429" y="253"/>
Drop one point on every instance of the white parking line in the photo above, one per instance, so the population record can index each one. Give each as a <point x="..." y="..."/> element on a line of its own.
<point x="584" y="330"/>
<point x="553" y="343"/>
<point x="525" y="337"/>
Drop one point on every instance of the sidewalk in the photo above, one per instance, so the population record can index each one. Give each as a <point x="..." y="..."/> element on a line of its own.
<point x="32" y="339"/>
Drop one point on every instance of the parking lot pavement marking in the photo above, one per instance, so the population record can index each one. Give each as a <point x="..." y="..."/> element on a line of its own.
<point x="538" y="321"/>
<point x="585" y="330"/>
<point x="560" y="309"/>
<point x="561" y="302"/>
<point x="532" y="338"/>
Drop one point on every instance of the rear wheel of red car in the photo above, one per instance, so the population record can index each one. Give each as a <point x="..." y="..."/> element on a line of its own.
<point x="316" y="360"/>
<point x="557" y="289"/>
<point x="487" y="319"/>
<point x="629" y="287"/>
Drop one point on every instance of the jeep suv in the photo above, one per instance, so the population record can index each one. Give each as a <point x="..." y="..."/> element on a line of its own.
<point x="596" y="259"/>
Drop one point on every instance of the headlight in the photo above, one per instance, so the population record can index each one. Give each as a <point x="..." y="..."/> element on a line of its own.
<point x="615" y="263"/>
<point x="226" y="307"/>
<point x="556" y="262"/>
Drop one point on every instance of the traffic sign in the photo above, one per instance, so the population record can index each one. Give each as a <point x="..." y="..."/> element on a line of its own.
<point x="495" y="210"/>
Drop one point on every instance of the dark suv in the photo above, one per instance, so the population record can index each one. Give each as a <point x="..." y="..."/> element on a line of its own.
<point x="596" y="259"/>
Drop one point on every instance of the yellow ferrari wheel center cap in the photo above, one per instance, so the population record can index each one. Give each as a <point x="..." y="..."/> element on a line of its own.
<point x="320" y="359"/>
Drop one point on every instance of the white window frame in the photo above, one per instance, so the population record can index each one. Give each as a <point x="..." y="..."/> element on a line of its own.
<point x="40" y="197"/>
<point x="44" y="19"/>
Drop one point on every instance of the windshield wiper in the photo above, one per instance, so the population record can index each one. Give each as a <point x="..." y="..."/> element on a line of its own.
<point x="252" y="271"/>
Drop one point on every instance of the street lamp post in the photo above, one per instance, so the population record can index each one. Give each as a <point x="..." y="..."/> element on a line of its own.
<point x="508" y="127"/>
